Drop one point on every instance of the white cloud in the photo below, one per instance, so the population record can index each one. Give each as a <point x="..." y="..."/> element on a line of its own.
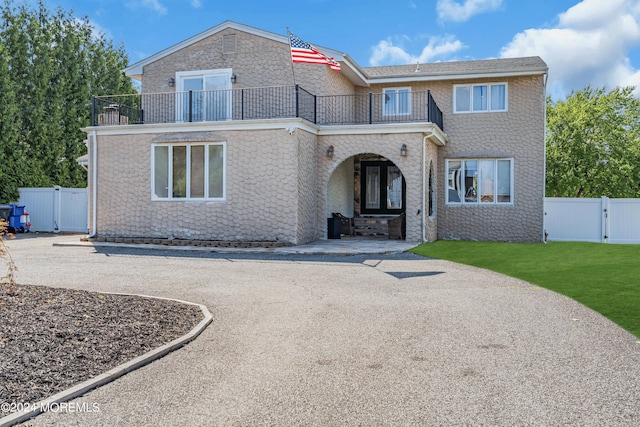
<point x="154" y="5"/>
<point x="386" y="53"/>
<point x="451" y="10"/>
<point x="590" y="45"/>
<point x="196" y="3"/>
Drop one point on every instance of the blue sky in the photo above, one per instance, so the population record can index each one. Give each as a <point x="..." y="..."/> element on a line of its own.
<point x="584" y="42"/>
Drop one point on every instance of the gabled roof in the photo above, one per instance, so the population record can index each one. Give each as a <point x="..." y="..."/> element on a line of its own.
<point x="135" y="70"/>
<point x="365" y="76"/>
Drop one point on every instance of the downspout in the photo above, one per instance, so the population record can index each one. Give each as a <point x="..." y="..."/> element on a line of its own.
<point x="544" y="172"/>
<point x="424" y="161"/>
<point x="424" y="185"/>
<point x="94" y="185"/>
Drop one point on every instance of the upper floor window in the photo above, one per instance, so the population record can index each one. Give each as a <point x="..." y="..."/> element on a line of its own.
<point x="397" y="101"/>
<point x="188" y="171"/>
<point x="485" y="181"/>
<point x="480" y="98"/>
<point x="204" y="95"/>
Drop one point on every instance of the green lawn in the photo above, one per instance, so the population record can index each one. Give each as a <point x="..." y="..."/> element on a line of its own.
<point x="603" y="277"/>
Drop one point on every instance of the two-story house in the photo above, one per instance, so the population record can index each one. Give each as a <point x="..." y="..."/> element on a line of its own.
<point x="229" y="140"/>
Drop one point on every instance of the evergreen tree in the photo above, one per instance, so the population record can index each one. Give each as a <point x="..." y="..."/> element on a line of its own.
<point x="51" y="65"/>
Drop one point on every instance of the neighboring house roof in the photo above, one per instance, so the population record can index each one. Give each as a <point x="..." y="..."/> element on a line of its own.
<point x="365" y="76"/>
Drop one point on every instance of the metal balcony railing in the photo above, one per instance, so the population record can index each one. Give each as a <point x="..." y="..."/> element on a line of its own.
<point x="265" y="103"/>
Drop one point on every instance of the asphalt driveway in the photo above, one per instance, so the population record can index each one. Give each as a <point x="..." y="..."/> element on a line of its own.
<point x="350" y="340"/>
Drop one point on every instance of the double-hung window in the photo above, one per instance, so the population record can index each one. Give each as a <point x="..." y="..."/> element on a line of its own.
<point x="188" y="171"/>
<point x="396" y="101"/>
<point x="480" y="181"/>
<point x="480" y="98"/>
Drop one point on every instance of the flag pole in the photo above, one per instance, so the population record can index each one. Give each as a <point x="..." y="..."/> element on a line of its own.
<point x="293" y="73"/>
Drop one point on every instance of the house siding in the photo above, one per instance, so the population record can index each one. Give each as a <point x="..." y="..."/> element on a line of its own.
<point x="258" y="62"/>
<point x="307" y="197"/>
<point x="340" y="190"/>
<point x="431" y="222"/>
<point x="517" y="134"/>
<point x="262" y="184"/>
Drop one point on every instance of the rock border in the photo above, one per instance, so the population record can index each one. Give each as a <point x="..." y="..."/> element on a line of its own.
<point x="115" y="373"/>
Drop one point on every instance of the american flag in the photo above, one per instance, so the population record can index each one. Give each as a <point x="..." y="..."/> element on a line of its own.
<point x="302" y="51"/>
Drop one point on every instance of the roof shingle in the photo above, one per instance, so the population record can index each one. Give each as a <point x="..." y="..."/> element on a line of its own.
<point x="504" y="65"/>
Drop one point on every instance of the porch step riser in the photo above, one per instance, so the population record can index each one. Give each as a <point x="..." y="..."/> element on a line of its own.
<point x="372" y="226"/>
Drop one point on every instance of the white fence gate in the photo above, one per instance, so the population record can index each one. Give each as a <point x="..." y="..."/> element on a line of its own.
<point x="56" y="209"/>
<point x="592" y="220"/>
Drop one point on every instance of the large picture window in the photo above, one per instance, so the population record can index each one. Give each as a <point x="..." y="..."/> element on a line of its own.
<point x="188" y="171"/>
<point x="480" y="181"/>
<point x="480" y="98"/>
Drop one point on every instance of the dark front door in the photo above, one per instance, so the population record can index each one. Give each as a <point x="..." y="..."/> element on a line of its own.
<point x="382" y="188"/>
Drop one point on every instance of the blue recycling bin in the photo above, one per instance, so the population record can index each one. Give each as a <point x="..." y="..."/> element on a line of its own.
<point x="18" y="218"/>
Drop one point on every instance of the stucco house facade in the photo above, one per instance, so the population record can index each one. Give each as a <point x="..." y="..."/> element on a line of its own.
<point x="231" y="141"/>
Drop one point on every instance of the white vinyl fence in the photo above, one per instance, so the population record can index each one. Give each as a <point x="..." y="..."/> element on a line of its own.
<point x="592" y="220"/>
<point x="56" y="209"/>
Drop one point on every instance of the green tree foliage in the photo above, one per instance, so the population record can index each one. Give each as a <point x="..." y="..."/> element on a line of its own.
<point x="593" y="144"/>
<point x="50" y="65"/>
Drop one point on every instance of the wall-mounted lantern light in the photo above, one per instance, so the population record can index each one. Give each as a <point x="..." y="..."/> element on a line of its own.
<point x="233" y="77"/>
<point x="171" y="82"/>
<point x="330" y="151"/>
<point x="403" y="150"/>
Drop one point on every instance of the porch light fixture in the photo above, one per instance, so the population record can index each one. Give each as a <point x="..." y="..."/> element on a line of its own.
<point x="233" y="77"/>
<point x="403" y="150"/>
<point x="330" y="151"/>
<point x="171" y="82"/>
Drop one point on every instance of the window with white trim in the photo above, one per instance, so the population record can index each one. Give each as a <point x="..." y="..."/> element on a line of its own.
<point x="480" y="98"/>
<point x="204" y="95"/>
<point x="188" y="171"/>
<point x="396" y="101"/>
<point x="480" y="181"/>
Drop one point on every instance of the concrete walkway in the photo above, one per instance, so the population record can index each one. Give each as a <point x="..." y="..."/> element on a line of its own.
<point x="343" y="246"/>
<point x="335" y="340"/>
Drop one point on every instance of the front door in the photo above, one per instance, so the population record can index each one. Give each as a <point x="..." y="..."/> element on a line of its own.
<point x="382" y="188"/>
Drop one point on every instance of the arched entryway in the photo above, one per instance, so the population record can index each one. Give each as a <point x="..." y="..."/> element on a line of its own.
<point x="370" y="190"/>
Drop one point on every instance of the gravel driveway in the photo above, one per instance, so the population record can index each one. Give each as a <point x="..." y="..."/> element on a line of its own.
<point x="351" y="340"/>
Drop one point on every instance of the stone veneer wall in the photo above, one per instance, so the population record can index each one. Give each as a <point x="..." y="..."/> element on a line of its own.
<point x="340" y="190"/>
<point x="517" y="134"/>
<point x="258" y="61"/>
<point x="431" y="222"/>
<point x="307" y="197"/>
<point x="262" y="185"/>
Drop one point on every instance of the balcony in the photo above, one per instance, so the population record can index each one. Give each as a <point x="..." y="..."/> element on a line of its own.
<point x="261" y="103"/>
